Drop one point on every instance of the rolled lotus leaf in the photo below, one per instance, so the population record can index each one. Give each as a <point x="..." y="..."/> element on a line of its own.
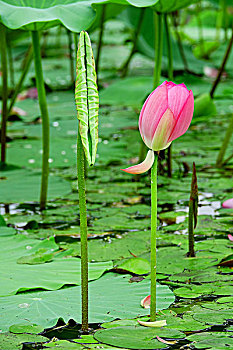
<point x="87" y="98"/>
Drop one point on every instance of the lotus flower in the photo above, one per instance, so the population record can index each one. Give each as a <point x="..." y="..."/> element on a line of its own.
<point x="228" y="203"/>
<point x="165" y="116"/>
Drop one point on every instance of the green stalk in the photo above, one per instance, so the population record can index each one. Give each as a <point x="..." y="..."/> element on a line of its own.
<point x="100" y="41"/>
<point x="225" y="143"/>
<point x="158" y="20"/>
<point x="221" y="69"/>
<point x="72" y="78"/>
<point x="125" y="67"/>
<point x="193" y="211"/>
<point x="26" y="67"/>
<point x="83" y="231"/>
<point x="45" y="117"/>
<point x="11" y="64"/>
<point x="191" y="252"/>
<point x="179" y="43"/>
<point x="170" y="77"/>
<point x="169" y="48"/>
<point x="4" y="91"/>
<point x="153" y="238"/>
<point x="199" y="22"/>
<point x="75" y="37"/>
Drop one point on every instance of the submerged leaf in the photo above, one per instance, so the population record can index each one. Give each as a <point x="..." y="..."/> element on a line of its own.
<point x="87" y="98"/>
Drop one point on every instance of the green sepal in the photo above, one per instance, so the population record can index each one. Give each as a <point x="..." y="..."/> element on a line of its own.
<point x="87" y="98"/>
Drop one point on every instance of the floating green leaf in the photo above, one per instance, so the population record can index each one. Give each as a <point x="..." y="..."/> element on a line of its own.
<point x="45" y="308"/>
<point x="136" y="337"/>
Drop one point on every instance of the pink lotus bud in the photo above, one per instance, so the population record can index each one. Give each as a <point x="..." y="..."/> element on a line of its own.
<point x="228" y="203"/>
<point x="165" y="115"/>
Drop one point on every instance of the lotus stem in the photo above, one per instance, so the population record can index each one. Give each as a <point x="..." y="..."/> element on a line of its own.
<point x="125" y="67"/>
<point x="191" y="252"/>
<point x="100" y="41"/>
<point x="45" y="118"/>
<point x="153" y="237"/>
<point x="170" y="77"/>
<point x="26" y="67"/>
<point x="193" y="212"/>
<point x="225" y="144"/>
<point x="169" y="48"/>
<point x="72" y="77"/>
<point x="200" y="28"/>
<point x="158" y="20"/>
<point x="221" y="69"/>
<point x="179" y="42"/>
<point x="83" y="231"/>
<point x="4" y="91"/>
<point x="11" y="64"/>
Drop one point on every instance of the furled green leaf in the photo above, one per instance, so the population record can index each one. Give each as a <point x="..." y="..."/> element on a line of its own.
<point x="87" y="98"/>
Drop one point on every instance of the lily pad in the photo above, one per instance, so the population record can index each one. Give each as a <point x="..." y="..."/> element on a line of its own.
<point x="53" y="275"/>
<point x="21" y="183"/>
<point x="9" y="341"/>
<point x="45" y="308"/>
<point x="136" y="337"/>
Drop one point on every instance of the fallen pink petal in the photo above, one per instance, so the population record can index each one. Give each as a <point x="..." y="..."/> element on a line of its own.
<point x="169" y="342"/>
<point x="228" y="203"/>
<point x="146" y="302"/>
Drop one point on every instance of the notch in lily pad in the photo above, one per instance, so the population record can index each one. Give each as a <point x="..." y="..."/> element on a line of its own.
<point x="87" y="98"/>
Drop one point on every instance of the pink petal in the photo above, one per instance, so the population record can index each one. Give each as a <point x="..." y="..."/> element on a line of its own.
<point x="146" y="302"/>
<point x="230" y="237"/>
<point x="142" y="167"/>
<point x="184" y="119"/>
<point x="151" y="113"/>
<point x="177" y="97"/>
<point x="163" y="131"/>
<point x="228" y="203"/>
<point x="169" y="84"/>
<point x="170" y="342"/>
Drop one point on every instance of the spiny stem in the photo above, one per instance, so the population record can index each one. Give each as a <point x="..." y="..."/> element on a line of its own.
<point x="193" y="212"/>
<point x="191" y="252"/>
<point x="72" y="77"/>
<point x="224" y="61"/>
<point x="153" y="238"/>
<point x="100" y="41"/>
<point x="169" y="161"/>
<point x="11" y="63"/>
<point x="45" y="117"/>
<point x="179" y="42"/>
<point x="169" y="48"/>
<point x="83" y="232"/>
<point x="158" y="20"/>
<point x="125" y="67"/>
<point x="170" y="77"/>
<point x="4" y="91"/>
<point x="225" y="143"/>
<point x="26" y="67"/>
